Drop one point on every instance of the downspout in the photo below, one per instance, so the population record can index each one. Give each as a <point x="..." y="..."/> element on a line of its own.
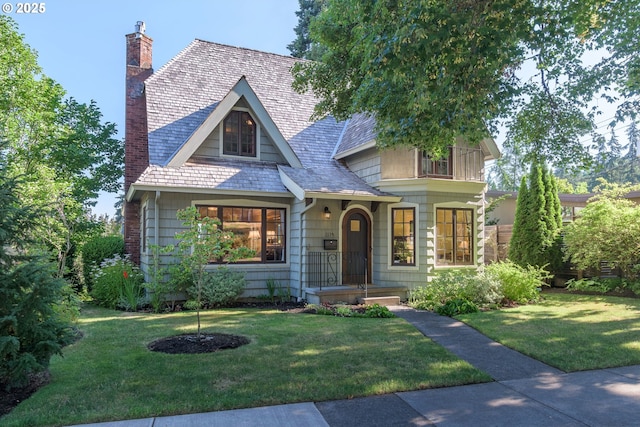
<point x="304" y="211"/>
<point x="156" y="222"/>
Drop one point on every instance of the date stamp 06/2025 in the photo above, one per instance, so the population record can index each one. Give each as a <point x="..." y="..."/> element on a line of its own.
<point x="24" y="8"/>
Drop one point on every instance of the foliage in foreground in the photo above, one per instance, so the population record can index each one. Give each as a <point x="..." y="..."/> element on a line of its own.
<point x="455" y="292"/>
<point x="219" y="288"/>
<point x="31" y="297"/>
<point x="463" y="285"/>
<point x="518" y="284"/>
<point x="411" y="64"/>
<point x="201" y="242"/>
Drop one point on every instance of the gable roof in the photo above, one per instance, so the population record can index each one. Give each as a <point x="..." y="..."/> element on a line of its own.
<point x="220" y="111"/>
<point x="182" y="94"/>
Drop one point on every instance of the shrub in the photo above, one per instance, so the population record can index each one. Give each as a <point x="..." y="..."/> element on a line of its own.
<point x="117" y="283"/>
<point x="457" y="306"/>
<point x="519" y="284"/>
<point x="378" y="311"/>
<point x="479" y="288"/>
<point x="95" y="251"/>
<point x="603" y="285"/>
<point x="220" y="288"/>
<point x="31" y="331"/>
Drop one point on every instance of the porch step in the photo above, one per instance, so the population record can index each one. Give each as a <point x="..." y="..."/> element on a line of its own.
<point x="353" y="294"/>
<point x="384" y="301"/>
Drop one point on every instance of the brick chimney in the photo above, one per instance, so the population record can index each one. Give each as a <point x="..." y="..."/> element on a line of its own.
<point x="136" y="158"/>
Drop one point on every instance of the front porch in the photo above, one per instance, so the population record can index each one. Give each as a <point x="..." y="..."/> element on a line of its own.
<point x="352" y="294"/>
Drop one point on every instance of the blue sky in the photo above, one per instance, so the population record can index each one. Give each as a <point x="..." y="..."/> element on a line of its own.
<point x="81" y="43"/>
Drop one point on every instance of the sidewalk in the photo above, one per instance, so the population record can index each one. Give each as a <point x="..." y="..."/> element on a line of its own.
<point x="526" y="392"/>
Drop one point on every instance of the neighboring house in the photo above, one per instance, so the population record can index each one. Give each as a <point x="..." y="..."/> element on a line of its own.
<point x="502" y="216"/>
<point x="220" y="128"/>
<point x="504" y="212"/>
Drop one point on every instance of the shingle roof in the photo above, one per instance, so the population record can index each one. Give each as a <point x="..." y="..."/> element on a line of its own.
<point x="359" y="131"/>
<point x="216" y="176"/>
<point x="331" y="179"/>
<point x="184" y="92"/>
<point x="181" y="94"/>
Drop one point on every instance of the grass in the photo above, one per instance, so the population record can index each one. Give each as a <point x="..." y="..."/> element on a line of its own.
<point x="110" y="374"/>
<point x="569" y="331"/>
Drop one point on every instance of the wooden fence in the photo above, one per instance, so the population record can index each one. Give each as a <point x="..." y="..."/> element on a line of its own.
<point x="496" y="244"/>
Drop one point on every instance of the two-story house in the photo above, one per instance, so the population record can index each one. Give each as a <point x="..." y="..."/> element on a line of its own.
<point x="221" y="129"/>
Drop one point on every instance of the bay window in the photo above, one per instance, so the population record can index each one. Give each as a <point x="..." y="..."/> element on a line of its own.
<point x="454" y="236"/>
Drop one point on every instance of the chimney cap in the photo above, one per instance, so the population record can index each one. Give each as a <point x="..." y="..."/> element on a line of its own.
<point x="140" y="27"/>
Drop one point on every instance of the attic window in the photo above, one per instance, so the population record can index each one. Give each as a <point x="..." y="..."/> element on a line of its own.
<point x="239" y="138"/>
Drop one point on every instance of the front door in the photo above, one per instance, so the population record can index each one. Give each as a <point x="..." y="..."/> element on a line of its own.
<point x="356" y="248"/>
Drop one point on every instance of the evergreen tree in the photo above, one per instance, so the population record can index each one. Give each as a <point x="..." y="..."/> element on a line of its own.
<point x="538" y="221"/>
<point x="554" y="222"/>
<point x="30" y="328"/>
<point x="516" y="244"/>
<point x="303" y="46"/>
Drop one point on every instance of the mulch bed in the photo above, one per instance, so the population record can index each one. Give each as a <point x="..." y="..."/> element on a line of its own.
<point x="10" y="399"/>
<point x="192" y="344"/>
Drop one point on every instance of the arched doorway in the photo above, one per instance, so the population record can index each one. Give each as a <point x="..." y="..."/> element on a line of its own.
<point x="356" y="248"/>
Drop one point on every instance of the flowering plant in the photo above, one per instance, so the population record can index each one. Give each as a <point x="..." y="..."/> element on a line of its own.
<point x="117" y="283"/>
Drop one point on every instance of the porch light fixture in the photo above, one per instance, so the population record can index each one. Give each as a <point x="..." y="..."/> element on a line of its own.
<point x="327" y="213"/>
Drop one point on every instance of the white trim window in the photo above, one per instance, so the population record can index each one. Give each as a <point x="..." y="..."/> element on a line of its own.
<point x="403" y="248"/>
<point x="261" y="229"/>
<point x="239" y="132"/>
<point x="454" y="236"/>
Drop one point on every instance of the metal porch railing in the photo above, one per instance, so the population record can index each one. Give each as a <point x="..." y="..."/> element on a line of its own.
<point x="336" y="269"/>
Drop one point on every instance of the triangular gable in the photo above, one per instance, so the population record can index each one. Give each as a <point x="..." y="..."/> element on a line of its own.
<point x="490" y="148"/>
<point x="240" y="90"/>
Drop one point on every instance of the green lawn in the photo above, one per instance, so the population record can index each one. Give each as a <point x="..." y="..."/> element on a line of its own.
<point x="110" y="374"/>
<point x="569" y="331"/>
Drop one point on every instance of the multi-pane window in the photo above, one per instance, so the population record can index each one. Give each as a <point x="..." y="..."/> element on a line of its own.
<point x="454" y="236"/>
<point x="402" y="240"/>
<point x="259" y="229"/>
<point x="239" y="138"/>
<point x="441" y="168"/>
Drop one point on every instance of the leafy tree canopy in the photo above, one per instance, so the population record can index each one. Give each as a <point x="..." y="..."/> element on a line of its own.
<point x="431" y="70"/>
<point x="59" y="147"/>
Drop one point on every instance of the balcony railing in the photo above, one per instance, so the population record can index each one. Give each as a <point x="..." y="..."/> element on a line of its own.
<point x="463" y="163"/>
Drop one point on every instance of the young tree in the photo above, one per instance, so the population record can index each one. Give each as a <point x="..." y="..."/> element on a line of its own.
<point x="432" y="70"/>
<point x="204" y="241"/>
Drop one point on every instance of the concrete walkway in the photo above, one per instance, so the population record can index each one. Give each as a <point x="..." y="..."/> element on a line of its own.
<point x="525" y="392"/>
